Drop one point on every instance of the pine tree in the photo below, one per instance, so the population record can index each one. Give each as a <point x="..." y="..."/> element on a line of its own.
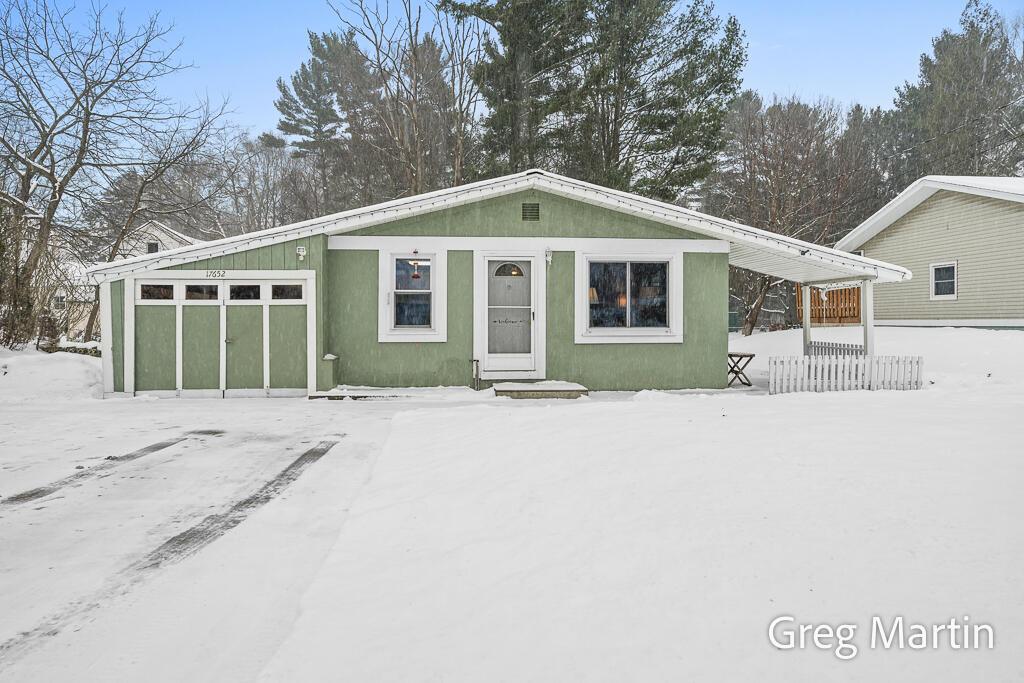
<point x="309" y="113"/>
<point x="965" y="113"/>
<point x="535" y="42"/>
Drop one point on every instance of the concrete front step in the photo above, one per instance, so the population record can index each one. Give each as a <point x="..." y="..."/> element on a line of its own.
<point x="548" y="389"/>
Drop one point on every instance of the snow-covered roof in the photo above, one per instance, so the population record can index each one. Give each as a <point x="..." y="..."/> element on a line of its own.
<point x="157" y="226"/>
<point x="766" y="252"/>
<point x="1009" y="189"/>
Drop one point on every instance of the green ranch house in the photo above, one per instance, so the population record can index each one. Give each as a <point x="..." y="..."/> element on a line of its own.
<point x="531" y="276"/>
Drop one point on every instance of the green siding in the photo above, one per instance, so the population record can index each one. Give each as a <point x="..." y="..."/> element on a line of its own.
<point x="244" y="347"/>
<point x="346" y="309"/>
<point x="117" y="332"/>
<point x="200" y="347"/>
<point x="155" y="348"/>
<point x="287" y="347"/>
<point x="352" y="327"/>
<point x="502" y="217"/>
<point x="699" y="362"/>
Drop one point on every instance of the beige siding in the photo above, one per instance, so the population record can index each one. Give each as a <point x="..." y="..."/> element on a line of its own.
<point x="984" y="236"/>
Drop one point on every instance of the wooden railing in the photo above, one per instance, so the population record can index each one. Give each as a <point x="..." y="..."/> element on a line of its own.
<point x="840" y="306"/>
<point x="824" y="348"/>
<point x="787" y="374"/>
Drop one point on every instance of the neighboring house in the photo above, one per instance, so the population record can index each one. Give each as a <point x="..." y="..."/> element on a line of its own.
<point x="963" y="238"/>
<point x="151" y="237"/>
<point x="530" y="276"/>
<point x="72" y="303"/>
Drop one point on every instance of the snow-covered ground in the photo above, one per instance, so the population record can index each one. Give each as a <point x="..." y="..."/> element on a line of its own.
<point x="647" y="537"/>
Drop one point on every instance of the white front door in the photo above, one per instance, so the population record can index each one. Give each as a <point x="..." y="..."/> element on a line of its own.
<point x="507" y="314"/>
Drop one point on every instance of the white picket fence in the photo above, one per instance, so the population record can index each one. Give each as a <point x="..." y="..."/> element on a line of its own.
<point x="824" y="348"/>
<point x="787" y="374"/>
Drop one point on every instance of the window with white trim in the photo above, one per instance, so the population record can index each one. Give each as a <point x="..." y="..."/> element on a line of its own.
<point x="628" y="294"/>
<point x="152" y="247"/>
<point x="943" y="281"/>
<point x="629" y="298"/>
<point x="413" y="297"/>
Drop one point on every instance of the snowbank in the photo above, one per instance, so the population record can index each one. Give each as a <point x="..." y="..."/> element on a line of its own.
<point x="31" y="375"/>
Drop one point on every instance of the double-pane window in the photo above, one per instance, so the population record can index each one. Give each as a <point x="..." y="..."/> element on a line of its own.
<point x="628" y="294"/>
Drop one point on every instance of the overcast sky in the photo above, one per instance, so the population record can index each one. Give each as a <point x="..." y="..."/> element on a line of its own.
<point x="848" y="51"/>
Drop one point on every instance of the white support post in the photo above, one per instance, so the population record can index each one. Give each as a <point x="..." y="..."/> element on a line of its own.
<point x="867" y="313"/>
<point x="805" y="294"/>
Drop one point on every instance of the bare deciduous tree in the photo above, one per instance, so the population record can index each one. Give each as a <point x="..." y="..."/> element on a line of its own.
<point x="78" y="102"/>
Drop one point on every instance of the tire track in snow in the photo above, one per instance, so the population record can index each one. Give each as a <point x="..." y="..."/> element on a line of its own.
<point x="173" y="550"/>
<point x="214" y="526"/>
<point x="111" y="462"/>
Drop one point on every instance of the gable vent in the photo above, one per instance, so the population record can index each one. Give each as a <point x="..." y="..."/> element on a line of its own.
<point x="531" y="211"/>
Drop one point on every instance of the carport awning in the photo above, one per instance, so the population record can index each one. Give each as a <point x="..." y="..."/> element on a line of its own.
<point x="759" y="250"/>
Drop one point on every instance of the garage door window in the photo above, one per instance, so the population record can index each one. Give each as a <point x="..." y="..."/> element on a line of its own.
<point x="285" y="292"/>
<point x="156" y="292"/>
<point x="201" y="292"/>
<point x="245" y="292"/>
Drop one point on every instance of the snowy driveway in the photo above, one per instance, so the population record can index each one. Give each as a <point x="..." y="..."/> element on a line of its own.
<point x="622" y="537"/>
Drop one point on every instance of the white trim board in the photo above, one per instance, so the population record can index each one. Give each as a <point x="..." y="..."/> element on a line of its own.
<point x="539" y="294"/>
<point x="584" y="334"/>
<point x="306" y="277"/>
<point x="954" y="322"/>
<point x="753" y="248"/>
<point x="107" y="337"/>
<point x="524" y="244"/>
<point x="438" y="330"/>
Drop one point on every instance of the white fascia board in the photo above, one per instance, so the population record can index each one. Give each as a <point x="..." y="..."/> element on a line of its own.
<point x="344" y="221"/>
<point x="854" y="266"/>
<point x="917" y="192"/>
<point x="336" y="224"/>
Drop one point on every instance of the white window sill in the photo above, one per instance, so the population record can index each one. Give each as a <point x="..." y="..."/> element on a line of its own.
<point x="412" y="335"/>
<point x="630" y="336"/>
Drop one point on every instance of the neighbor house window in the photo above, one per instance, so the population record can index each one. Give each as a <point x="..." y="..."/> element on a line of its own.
<point x="628" y="299"/>
<point x="413" y="291"/>
<point x="943" y="281"/>
<point x="59" y="302"/>
<point x="152" y="247"/>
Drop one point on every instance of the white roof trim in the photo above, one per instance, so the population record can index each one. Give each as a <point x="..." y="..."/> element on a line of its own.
<point x="752" y="248"/>
<point x="1008" y="189"/>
